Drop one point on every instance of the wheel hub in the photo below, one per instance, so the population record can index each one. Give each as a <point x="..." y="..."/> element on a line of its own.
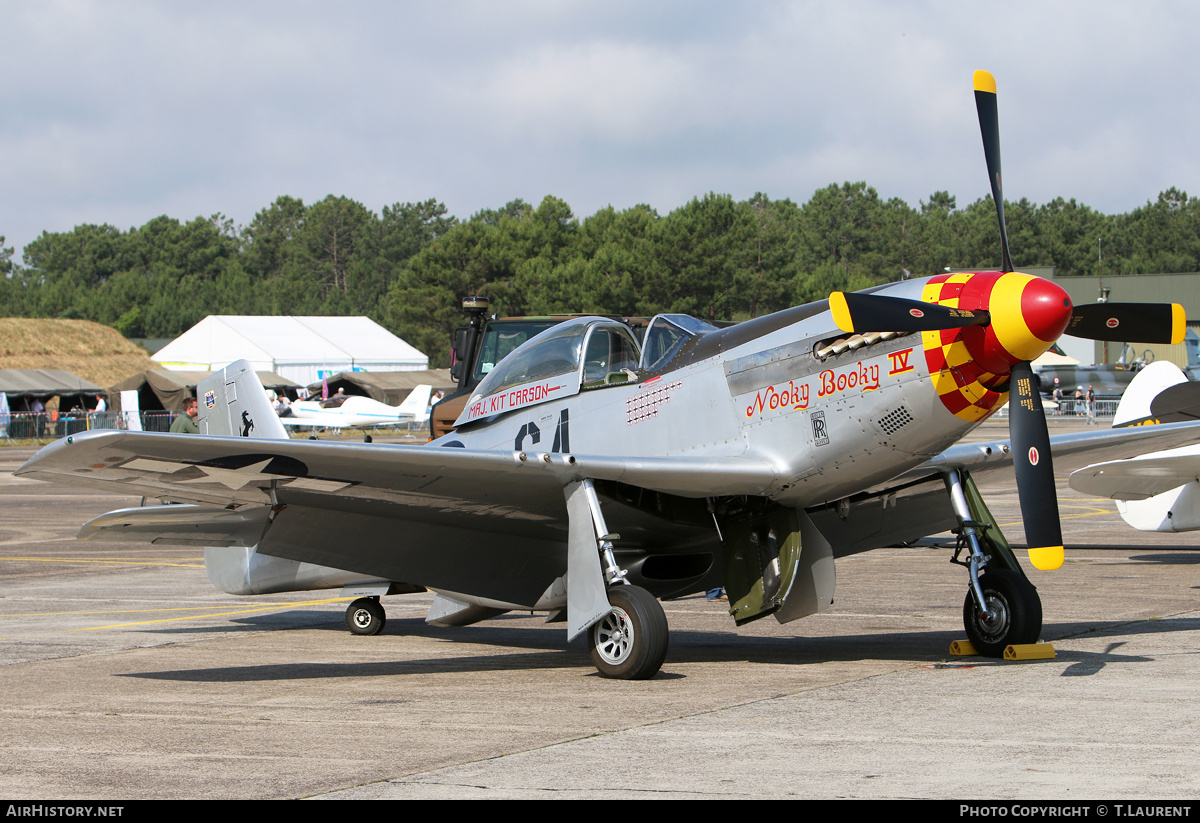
<point x="994" y="624"/>
<point x="362" y="618"/>
<point x="614" y="636"/>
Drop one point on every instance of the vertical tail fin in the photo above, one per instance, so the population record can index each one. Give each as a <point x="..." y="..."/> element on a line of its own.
<point x="417" y="403"/>
<point x="1149" y="383"/>
<point x="233" y="403"/>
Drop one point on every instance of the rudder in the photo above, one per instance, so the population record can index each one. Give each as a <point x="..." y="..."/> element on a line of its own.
<point x="233" y="403"/>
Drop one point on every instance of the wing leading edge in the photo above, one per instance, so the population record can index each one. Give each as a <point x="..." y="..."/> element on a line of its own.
<point x="239" y="471"/>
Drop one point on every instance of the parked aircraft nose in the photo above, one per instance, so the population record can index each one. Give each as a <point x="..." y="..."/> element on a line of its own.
<point x="1028" y="315"/>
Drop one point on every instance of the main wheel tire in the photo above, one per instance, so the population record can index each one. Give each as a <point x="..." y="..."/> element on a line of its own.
<point x="630" y="642"/>
<point x="1014" y="613"/>
<point x="366" y="616"/>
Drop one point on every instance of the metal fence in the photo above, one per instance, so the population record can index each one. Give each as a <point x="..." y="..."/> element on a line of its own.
<point x="52" y="425"/>
<point x="45" y="426"/>
<point x="1103" y="410"/>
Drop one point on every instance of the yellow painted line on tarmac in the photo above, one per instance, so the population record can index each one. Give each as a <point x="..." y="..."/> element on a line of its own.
<point x="116" y="561"/>
<point x="1091" y="511"/>
<point x="159" y="611"/>
<point x="256" y="609"/>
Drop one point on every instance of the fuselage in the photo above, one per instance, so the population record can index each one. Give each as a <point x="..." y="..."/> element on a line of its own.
<point x="833" y="412"/>
<point x="355" y="411"/>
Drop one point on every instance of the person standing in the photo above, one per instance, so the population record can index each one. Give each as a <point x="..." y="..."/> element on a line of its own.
<point x="186" y="422"/>
<point x="38" y="409"/>
<point x="96" y="415"/>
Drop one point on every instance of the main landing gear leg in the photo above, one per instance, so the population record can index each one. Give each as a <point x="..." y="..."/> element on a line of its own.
<point x="626" y="625"/>
<point x="1002" y="607"/>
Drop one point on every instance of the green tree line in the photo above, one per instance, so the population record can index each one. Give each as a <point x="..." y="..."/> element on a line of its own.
<point x="408" y="266"/>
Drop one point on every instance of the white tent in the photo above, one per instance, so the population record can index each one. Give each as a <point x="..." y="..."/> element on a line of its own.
<point x="298" y="348"/>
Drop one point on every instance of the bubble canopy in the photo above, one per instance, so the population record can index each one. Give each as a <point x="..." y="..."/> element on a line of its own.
<point x="578" y="354"/>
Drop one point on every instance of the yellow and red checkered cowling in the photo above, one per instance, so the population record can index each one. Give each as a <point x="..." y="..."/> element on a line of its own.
<point x="970" y="366"/>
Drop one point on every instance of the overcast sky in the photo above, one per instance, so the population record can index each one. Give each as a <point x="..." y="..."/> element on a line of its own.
<point x="120" y="111"/>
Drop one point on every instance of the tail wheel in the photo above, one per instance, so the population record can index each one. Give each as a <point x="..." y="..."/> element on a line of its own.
<point x="630" y="642"/>
<point x="366" y="616"/>
<point x="1014" y="613"/>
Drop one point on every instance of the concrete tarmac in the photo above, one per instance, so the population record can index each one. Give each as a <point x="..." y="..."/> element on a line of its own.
<point x="126" y="675"/>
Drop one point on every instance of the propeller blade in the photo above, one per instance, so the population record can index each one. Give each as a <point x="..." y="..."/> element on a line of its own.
<point x="1034" y="469"/>
<point x="855" y="312"/>
<point x="1121" y="322"/>
<point x="989" y="127"/>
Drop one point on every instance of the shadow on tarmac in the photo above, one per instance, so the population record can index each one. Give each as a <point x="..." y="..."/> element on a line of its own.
<point x="542" y="648"/>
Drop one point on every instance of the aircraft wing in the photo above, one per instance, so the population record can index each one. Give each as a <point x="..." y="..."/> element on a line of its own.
<point x="915" y="504"/>
<point x="394" y="511"/>
<point x="244" y="471"/>
<point x="381" y="509"/>
<point x="1138" y="478"/>
<point x="1070" y="451"/>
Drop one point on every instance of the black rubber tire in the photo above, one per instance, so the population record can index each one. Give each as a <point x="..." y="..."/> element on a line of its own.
<point x="1016" y="613"/>
<point x="366" y="616"/>
<point x="630" y="643"/>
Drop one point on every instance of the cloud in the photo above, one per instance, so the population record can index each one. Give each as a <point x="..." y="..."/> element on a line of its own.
<point x="120" y="112"/>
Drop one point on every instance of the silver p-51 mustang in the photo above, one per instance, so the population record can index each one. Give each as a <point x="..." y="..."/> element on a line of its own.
<point x="590" y="475"/>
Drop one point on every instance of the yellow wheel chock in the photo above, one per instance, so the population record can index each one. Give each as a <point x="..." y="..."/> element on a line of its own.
<point x="1019" y="651"/>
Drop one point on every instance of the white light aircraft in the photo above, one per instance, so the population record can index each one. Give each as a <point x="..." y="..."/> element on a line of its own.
<point x="356" y="412"/>
<point x="589" y="477"/>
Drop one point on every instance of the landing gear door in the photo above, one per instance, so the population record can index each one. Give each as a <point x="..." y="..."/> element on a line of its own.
<point x="814" y="577"/>
<point x="762" y="554"/>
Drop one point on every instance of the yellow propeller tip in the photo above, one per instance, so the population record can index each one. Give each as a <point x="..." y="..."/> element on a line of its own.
<point x="984" y="81"/>
<point x="1046" y="558"/>
<point x="1178" y="324"/>
<point x="841" y="312"/>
